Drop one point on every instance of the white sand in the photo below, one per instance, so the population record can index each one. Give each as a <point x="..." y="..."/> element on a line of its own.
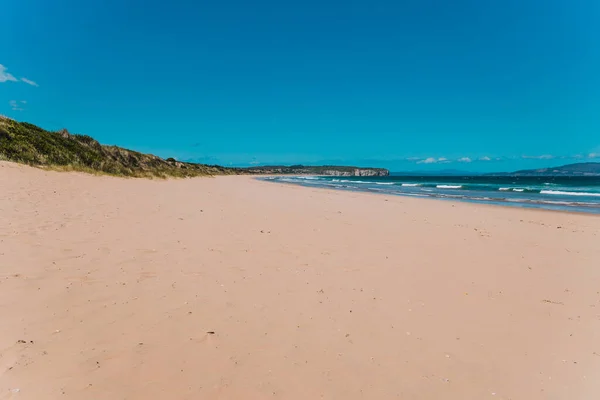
<point x="113" y="285"/>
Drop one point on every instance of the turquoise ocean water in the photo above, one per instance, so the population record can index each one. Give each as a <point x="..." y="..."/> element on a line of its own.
<point x="581" y="194"/>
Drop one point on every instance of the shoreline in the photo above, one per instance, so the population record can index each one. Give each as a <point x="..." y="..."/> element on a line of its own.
<point x="235" y="288"/>
<point x="446" y="200"/>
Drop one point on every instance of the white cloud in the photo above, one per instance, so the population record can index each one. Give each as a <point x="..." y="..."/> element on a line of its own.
<point x="542" y="157"/>
<point x="485" y="158"/>
<point x="464" y="159"/>
<point x="432" y="160"/>
<point x="29" y="82"/>
<point x="5" y="76"/>
<point x="594" y="155"/>
<point x="17" y="105"/>
<point x="429" y="160"/>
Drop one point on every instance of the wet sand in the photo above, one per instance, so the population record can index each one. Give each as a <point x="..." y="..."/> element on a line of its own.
<point x="233" y="288"/>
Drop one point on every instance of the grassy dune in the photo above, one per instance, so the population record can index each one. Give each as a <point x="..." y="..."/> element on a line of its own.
<point x="29" y="144"/>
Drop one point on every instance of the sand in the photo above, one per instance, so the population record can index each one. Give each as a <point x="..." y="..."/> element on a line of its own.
<point x="233" y="288"/>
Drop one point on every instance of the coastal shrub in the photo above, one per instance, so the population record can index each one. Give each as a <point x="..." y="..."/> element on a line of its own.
<point x="27" y="143"/>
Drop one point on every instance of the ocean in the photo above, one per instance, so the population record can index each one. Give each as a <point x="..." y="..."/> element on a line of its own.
<point x="580" y="194"/>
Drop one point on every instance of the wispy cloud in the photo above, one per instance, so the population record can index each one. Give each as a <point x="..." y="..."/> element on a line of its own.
<point x="594" y="155"/>
<point x="542" y="157"/>
<point x="17" y="105"/>
<point x="5" y="76"/>
<point x="432" y="160"/>
<point x="442" y="160"/>
<point x="29" y="82"/>
<point x="429" y="160"/>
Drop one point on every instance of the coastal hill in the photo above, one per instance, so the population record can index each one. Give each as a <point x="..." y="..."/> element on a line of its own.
<point x="29" y="144"/>
<point x="578" y="169"/>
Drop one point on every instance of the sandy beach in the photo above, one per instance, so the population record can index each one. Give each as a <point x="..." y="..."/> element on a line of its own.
<point x="234" y="288"/>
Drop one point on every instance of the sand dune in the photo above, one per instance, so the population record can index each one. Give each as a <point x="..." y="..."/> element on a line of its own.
<point x="232" y="288"/>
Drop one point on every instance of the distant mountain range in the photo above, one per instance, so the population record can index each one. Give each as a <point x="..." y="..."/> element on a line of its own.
<point x="578" y="169"/>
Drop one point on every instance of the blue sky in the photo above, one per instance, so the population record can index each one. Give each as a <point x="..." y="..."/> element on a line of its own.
<point x="408" y="85"/>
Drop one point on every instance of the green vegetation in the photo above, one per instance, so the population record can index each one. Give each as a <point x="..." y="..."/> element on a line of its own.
<point x="26" y="143"/>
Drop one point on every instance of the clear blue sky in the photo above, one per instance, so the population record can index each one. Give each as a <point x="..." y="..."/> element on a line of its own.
<point x="407" y="85"/>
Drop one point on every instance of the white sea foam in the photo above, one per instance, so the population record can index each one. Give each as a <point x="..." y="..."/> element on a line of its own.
<point x="348" y="181"/>
<point x="555" y="196"/>
<point x="560" y="192"/>
<point x="566" y="203"/>
<point x="448" y="186"/>
<point x="415" y="195"/>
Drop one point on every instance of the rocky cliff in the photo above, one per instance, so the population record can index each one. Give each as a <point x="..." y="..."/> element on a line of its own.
<point x="358" y="172"/>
